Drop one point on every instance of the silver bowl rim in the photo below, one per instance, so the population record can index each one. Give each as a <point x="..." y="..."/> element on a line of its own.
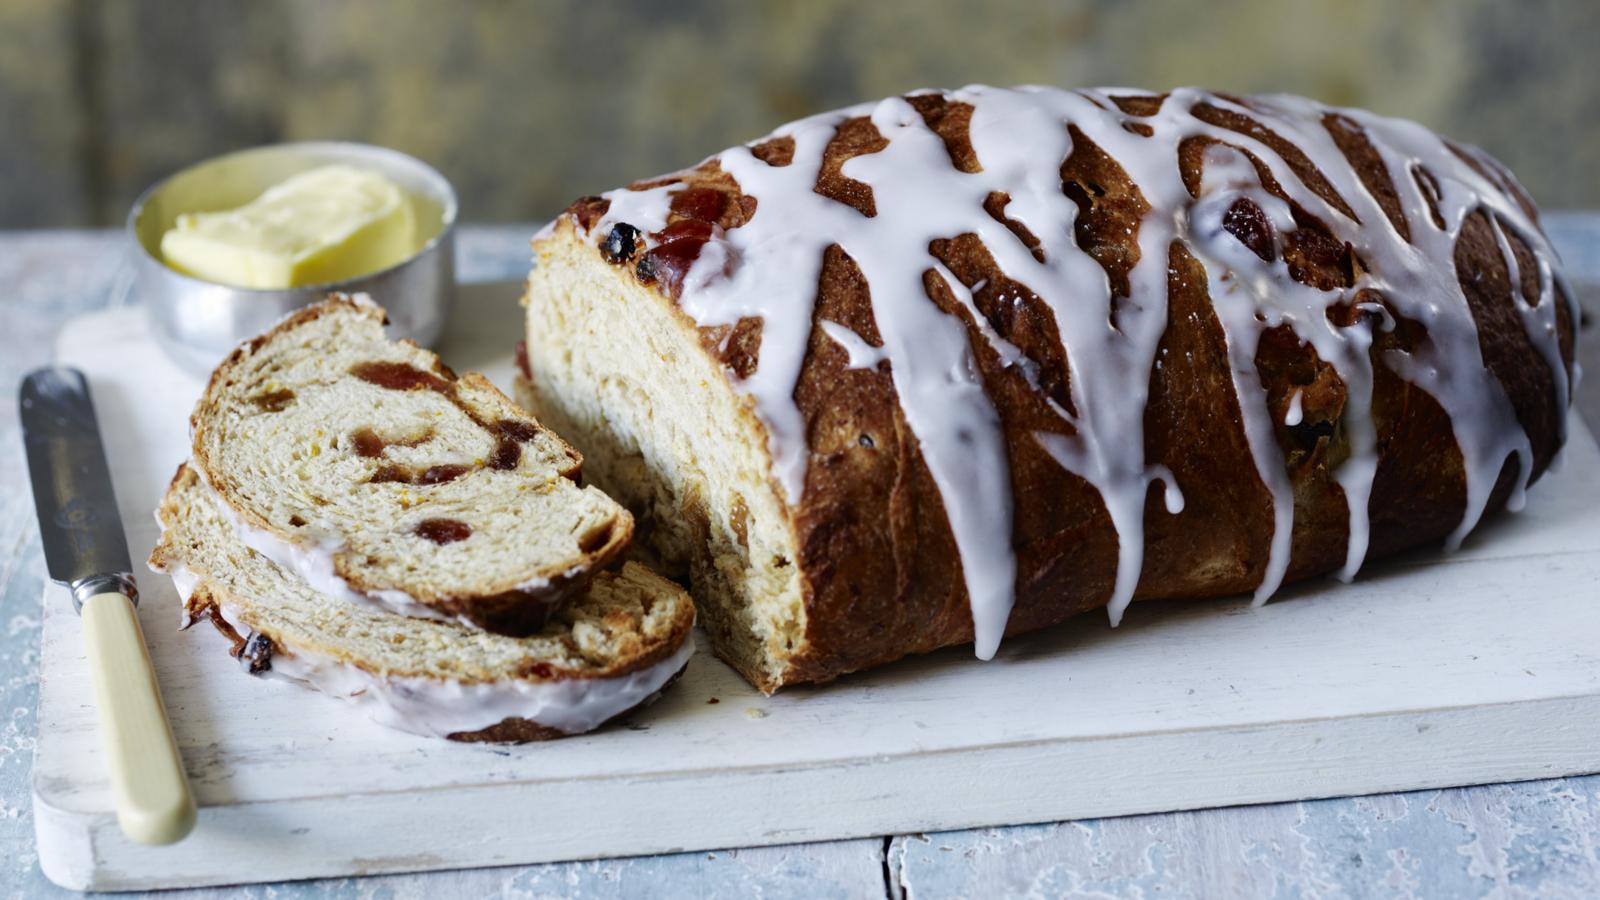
<point x="449" y="214"/>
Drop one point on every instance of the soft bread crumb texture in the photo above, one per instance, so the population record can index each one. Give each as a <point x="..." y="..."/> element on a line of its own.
<point x="619" y="370"/>
<point x="445" y="491"/>
<point x="625" y="620"/>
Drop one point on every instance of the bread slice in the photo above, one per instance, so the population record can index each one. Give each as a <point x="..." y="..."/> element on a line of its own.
<point x="372" y="471"/>
<point x="612" y="648"/>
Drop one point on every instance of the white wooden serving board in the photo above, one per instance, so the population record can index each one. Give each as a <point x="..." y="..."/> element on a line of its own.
<point x="1428" y="671"/>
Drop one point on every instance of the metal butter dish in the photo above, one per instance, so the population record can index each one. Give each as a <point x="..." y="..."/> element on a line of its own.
<point x="198" y="322"/>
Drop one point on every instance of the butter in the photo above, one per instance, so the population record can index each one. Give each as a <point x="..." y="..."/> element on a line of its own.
<point x="327" y="224"/>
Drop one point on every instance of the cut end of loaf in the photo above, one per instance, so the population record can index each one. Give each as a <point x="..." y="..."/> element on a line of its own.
<point x="618" y="370"/>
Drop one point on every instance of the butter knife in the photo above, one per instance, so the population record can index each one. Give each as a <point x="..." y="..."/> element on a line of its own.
<point x="84" y="549"/>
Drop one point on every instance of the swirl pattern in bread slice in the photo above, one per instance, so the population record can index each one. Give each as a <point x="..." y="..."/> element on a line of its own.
<point x="612" y="648"/>
<point x="372" y="470"/>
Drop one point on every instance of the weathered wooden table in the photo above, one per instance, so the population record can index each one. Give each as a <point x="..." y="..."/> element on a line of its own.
<point x="1533" y="839"/>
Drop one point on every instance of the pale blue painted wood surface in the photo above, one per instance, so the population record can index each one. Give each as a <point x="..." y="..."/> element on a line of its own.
<point x="1535" y="839"/>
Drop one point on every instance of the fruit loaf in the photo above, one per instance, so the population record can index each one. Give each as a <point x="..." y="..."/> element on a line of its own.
<point x="962" y="364"/>
<point x="372" y="471"/>
<point x="612" y="648"/>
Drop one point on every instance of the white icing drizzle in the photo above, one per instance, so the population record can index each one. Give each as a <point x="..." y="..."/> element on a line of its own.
<point x="313" y="562"/>
<point x="862" y="354"/>
<point x="1294" y="413"/>
<point x="769" y="267"/>
<point x="439" y="708"/>
<point x="645" y="210"/>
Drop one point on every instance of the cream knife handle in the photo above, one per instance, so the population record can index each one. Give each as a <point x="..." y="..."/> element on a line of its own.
<point x="147" y="779"/>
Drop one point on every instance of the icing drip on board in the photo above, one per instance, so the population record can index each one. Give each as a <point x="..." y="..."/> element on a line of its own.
<point x="769" y="266"/>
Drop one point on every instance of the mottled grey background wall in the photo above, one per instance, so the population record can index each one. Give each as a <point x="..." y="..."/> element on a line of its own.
<point x="526" y="105"/>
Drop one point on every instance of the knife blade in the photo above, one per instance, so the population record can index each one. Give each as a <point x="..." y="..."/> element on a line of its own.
<point x="72" y="492"/>
<point x="85" y="549"/>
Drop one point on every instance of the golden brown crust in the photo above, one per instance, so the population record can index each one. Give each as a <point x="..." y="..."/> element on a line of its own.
<point x="881" y="578"/>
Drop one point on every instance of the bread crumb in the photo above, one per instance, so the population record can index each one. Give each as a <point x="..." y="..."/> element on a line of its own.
<point x="753" y="712"/>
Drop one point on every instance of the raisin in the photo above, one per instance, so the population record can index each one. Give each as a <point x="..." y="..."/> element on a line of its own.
<point x="517" y="430"/>
<point x="1247" y="222"/>
<point x="507" y="453"/>
<point x="398" y="376"/>
<point x="274" y="401"/>
<point x="256" y="654"/>
<point x="440" y="474"/>
<point x="390" y="473"/>
<point x="367" y="443"/>
<point x="646" y="269"/>
<point x="621" y="244"/>
<point x="443" y="531"/>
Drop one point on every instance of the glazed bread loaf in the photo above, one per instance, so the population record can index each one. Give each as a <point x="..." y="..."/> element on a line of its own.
<point x="613" y="647"/>
<point x="373" y="472"/>
<point x="962" y="364"/>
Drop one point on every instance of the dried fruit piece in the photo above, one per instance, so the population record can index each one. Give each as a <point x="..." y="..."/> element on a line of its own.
<point x="620" y="245"/>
